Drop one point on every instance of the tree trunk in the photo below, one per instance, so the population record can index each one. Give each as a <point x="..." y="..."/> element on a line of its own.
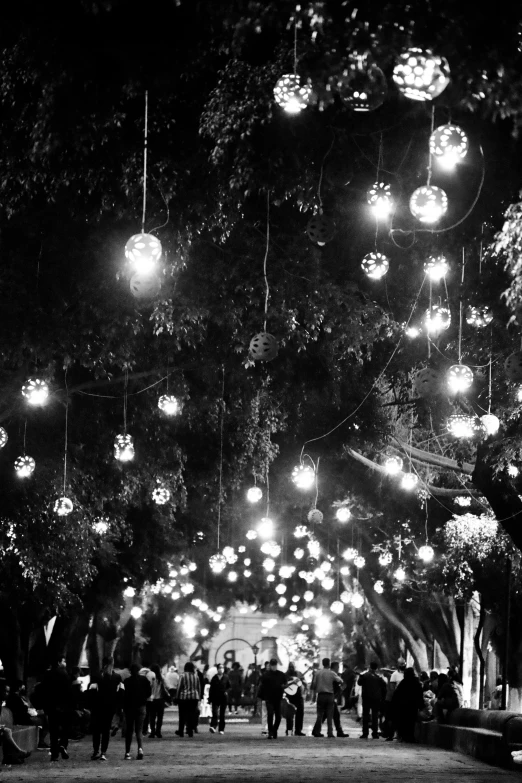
<point x="501" y="495"/>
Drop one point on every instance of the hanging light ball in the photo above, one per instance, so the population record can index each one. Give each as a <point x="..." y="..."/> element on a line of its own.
<point x="229" y="555"/>
<point x="459" y="378"/>
<point x="303" y="476"/>
<point x="357" y="600"/>
<point x="375" y="265"/>
<point x="327" y="583"/>
<point x="265" y="527"/>
<point x="428" y="203"/>
<point x="320" y="229"/>
<point x="268" y="564"/>
<point x="299" y="553"/>
<point x="379" y="586"/>
<point x="160" y="495"/>
<point x="136" y="612"/>
<point x="281" y="589"/>
<point x="421" y="75"/>
<point x="436" y="268"/>
<point x="282" y="601"/>
<point x="359" y="561"/>
<point x="412" y="332"/>
<point x="426" y="553"/>
<point x="314" y="548"/>
<point x="409" y="481"/>
<point x="286" y="571"/>
<point x="385" y="558"/>
<point x="315" y="517"/>
<point x="438" y="319"/>
<point x="350" y="553"/>
<point x="232" y="576"/>
<point x="449" y="145"/>
<point x="35" y="391"/>
<point x="169" y="405"/>
<point x="145" y="286"/>
<point x="337" y="607"/>
<point x="24" y="466"/>
<point x="143" y="251"/>
<point x="478" y="316"/>
<point x="263" y="347"/>
<point x="344" y="571"/>
<point x="308" y="595"/>
<point x="513" y="367"/>
<point x="254" y="495"/>
<point x="346" y="597"/>
<point x="393" y="465"/>
<point x="301" y="531"/>
<point x="463" y="501"/>
<point x="361" y="85"/>
<point x="380" y="200"/>
<point x="427" y="382"/>
<point x="63" y="507"/>
<point x="343" y="514"/>
<point x="251" y="535"/>
<point x="400" y="574"/>
<point x="460" y="425"/>
<point x="217" y="563"/>
<point x="290" y="95"/>
<point x="124" y="448"/>
<point x="3" y="437"/>
<point x="491" y="423"/>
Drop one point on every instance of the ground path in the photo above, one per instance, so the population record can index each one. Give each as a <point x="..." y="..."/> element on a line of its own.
<point x="244" y="755"/>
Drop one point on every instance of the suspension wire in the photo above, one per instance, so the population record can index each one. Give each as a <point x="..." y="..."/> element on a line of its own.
<point x="25" y="432"/>
<point x="220" y="498"/>
<point x="267" y="482"/>
<point x="490" y="363"/>
<point x="267" y="289"/>
<point x="461" y="303"/>
<point x="316" y="482"/>
<point x="125" y="385"/>
<point x="145" y="143"/>
<point x="430" y="159"/>
<point x="295" y="43"/>
<point x="66" y="434"/>
<point x="427" y="330"/>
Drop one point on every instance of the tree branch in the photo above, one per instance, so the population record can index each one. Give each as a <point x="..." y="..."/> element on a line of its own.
<point x="436" y="459"/>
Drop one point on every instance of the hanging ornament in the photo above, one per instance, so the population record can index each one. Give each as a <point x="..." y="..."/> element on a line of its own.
<point x="385" y="558"/>
<point x="361" y="85"/>
<point x="379" y="587"/>
<point x="337" y="607"/>
<point x="265" y="527"/>
<point x="512" y="471"/>
<point x="463" y="501"/>
<point x="124" y="448"/>
<point x="380" y="200"/>
<point x="409" y="481"/>
<point x="251" y="535"/>
<point x="143" y="251"/>
<point x="436" y="267"/>
<point x="460" y="425"/>
<point x="160" y="495"/>
<point x="254" y="495"/>
<point x="357" y="600"/>
<point x="320" y="229"/>
<point x="299" y="553"/>
<point x="300" y="531"/>
<point x="427" y="382"/>
<point x="263" y="347"/>
<point x="286" y="571"/>
<point x="3" y="437"/>
<point x="169" y="405"/>
<point x="350" y="553"/>
<point x="268" y="564"/>
<point x="63" y="506"/>
<point x="303" y="476"/>
<point x="421" y="75"/>
<point x="478" y="316"/>
<point x="308" y="595"/>
<point x="327" y="583"/>
<point x="229" y="555"/>
<point x="438" y="319"/>
<point x="359" y="561"/>
<point x="145" y="286"/>
<point x="315" y="517"/>
<point x="343" y="514"/>
<point x="375" y="265"/>
<point x="314" y="548"/>
<point x="24" y="466"/>
<point x="290" y="95"/>
<point x="412" y="332"/>
<point x="35" y="391"/>
<point x="491" y="423"/>
<point x="282" y="601"/>
<point x="513" y="367"/>
<point x="426" y="553"/>
<point x="393" y="465"/>
<point x="449" y="145"/>
<point x="428" y="203"/>
<point x="217" y="563"/>
<point x="459" y="378"/>
<point x="345" y="597"/>
<point x="400" y="574"/>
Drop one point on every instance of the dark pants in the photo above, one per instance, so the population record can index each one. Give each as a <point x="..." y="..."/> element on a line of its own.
<point x="298" y="703"/>
<point x="157" y="711"/>
<point x="218" y="711"/>
<point x="134" y="725"/>
<point x="188" y="715"/>
<point x="371" y="706"/>
<point x="389" y="720"/>
<point x="234" y="699"/>
<point x="58" y="730"/>
<point x="273" y="716"/>
<point x="325" y="704"/>
<point x="336" y="718"/>
<point x="101" y="722"/>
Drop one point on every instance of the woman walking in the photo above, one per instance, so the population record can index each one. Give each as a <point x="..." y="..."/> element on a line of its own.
<point x="160" y="695"/>
<point x="189" y="694"/>
<point x="406" y="703"/>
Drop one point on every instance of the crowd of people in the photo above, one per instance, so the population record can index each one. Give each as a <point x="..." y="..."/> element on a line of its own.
<point x="132" y="701"/>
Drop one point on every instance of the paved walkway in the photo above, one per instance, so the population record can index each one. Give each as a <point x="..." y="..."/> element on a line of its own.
<point x="244" y="755"/>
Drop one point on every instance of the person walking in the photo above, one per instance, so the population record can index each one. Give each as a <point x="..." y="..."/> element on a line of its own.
<point x="373" y="691"/>
<point x="105" y="694"/>
<point x="270" y="691"/>
<point x="136" y="694"/>
<point x="407" y="701"/>
<point x="188" y="695"/>
<point x="160" y="695"/>
<point x="57" y="698"/>
<point x="172" y="681"/>
<point x="237" y="679"/>
<point x="395" y="678"/>
<point x="147" y="672"/>
<point x="294" y="694"/>
<point x="338" y="699"/>
<point x="323" y="689"/>
<point x="218" y="699"/>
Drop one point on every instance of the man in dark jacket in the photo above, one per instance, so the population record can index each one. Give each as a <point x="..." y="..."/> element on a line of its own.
<point x="217" y="697"/>
<point x="105" y="695"/>
<point x="137" y="691"/>
<point x="373" y="691"/>
<point x="57" y="700"/>
<point x="271" y="691"/>
<point x="237" y="681"/>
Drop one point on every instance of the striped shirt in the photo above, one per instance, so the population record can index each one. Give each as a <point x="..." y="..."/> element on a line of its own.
<point x="188" y="687"/>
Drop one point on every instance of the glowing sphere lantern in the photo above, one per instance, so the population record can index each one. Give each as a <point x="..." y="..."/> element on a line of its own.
<point x="169" y="405"/>
<point x="350" y="553"/>
<point x="513" y="367"/>
<point x="463" y="501"/>
<point x="3" y="437"/>
<point x="280" y="589"/>
<point x="24" y="466"/>
<point x="385" y="558"/>
<point x="357" y="600"/>
<point x="303" y="476"/>
<point x="232" y="576"/>
<point x="63" y="506"/>
<point x="359" y="561"/>
<point x="478" y="316"/>
<point x="337" y="607"/>
<point x="35" y="391"/>
<point x="361" y="85"/>
<point x="393" y="465"/>
<point x="143" y="251"/>
<point x="314" y="548"/>
<point x="308" y="595"/>
<point x="327" y="583"/>
<point x="315" y="517"/>
<point x="217" y="563"/>
<point x="438" y="319"/>
<point x="136" y="612"/>
<point x="282" y="601"/>
<point x="427" y="382"/>
<point x="320" y="229"/>
<point x="459" y="378"/>
<point x="460" y="425"/>
<point x="436" y="267"/>
<point x="254" y="495"/>
<point x="291" y="95"/>
<point x="229" y="555"/>
<point x="375" y="265"/>
<point x="268" y="564"/>
<point x="300" y="531"/>
<point x="299" y="553"/>
<point x="491" y="423"/>
<point x="265" y="527"/>
<point x="380" y="200"/>
<point x="449" y="145"/>
<point x="426" y="553"/>
<point x="428" y="203"/>
<point x="263" y="347"/>
<point x="379" y="587"/>
<point x="400" y="574"/>
<point x="421" y="75"/>
<point x="160" y="495"/>
<point x="409" y="481"/>
<point x="124" y="448"/>
<point x="251" y="535"/>
<point x="343" y="514"/>
<point x="145" y="286"/>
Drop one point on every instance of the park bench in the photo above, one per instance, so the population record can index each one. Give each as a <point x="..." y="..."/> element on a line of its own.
<point x="488" y="735"/>
<point x="26" y="737"/>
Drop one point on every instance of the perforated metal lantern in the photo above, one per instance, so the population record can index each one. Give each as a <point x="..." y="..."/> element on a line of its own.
<point x="421" y="75"/>
<point x="169" y="405"/>
<point x="379" y="586"/>
<point x="24" y="466"/>
<point x="385" y="558"/>
<point x="513" y="367"/>
<point x="350" y="553"/>
<point x="436" y="267"/>
<point x="145" y="286"/>
<point x="357" y="600"/>
<point x="479" y="316"/>
<point x="143" y="251"/>
<point x="428" y="203"/>
<point x="263" y="347"/>
<point x="303" y="476"/>
<point x="460" y="425"/>
<point x="35" y="391"/>
<point x="361" y="85"/>
<point x="426" y="553"/>
<point x="491" y="423"/>
<point x="427" y="382"/>
<point x="375" y="265"/>
<point x="3" y="437"/>
<point x="320" y="229"/>
<point x="380" y="199"/>
<point x="315" y="517"/>
<point x="254" y="494"/>
<point x="459" y="378"/>
<point x="449" y="145"/>
<point x="393" y="465"/>
<point x="337" y="607"/>
<point x="359" y="561"/>
<point x="160" y="495"/>
<point x="409" y="481"/>
<point x="63" y="507"/>
<point x="438" y="319"/>
<point x="217" y="563"/>
<point x="291" y="95"/>
<point x="124" y="448"/>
